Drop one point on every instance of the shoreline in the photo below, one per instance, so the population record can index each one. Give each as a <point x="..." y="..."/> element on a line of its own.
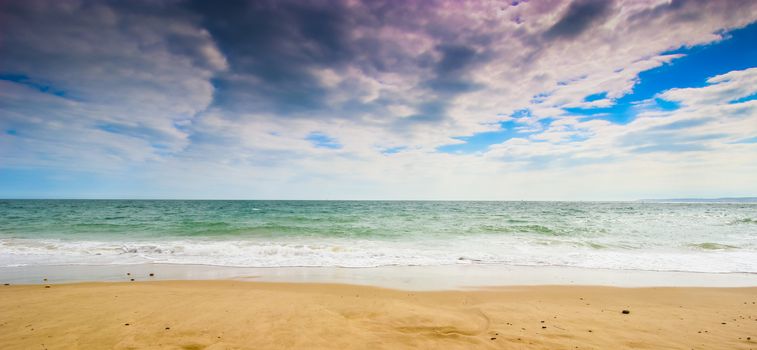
<point x="415" y="278"/>
<point x="222" y="314"/>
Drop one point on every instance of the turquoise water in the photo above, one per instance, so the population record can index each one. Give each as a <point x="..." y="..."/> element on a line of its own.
<point x="701" y="237"/>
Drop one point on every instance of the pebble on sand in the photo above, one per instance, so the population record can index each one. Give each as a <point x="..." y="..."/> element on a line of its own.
<point x="152" y="275"/>
<point x="626" y="312"/>
<point x="47" y="286"/>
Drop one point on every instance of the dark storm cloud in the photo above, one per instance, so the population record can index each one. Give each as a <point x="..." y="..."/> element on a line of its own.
<point x="451" y="70"/>
<point x="579" y="17"/>
<point x="683" y="11"/>
<point x="274" y="47"/>
<point x="268" y="53"/>
<point x="454" y="58"/>
<point x="450" y="78"/>
<point x="271" y="48"/>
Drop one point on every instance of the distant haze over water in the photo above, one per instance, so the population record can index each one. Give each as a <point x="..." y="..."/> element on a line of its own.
<point x="705" y="200"/>
<point x="696" y="237"/>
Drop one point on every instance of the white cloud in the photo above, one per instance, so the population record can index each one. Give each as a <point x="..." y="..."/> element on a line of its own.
<point x="131" y="89"/>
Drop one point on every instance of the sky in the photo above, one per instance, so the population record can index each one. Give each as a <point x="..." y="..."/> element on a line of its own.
<point x="350" y="99"/>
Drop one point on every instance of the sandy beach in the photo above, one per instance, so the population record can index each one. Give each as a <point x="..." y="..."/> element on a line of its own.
<point x="254" y="315"/>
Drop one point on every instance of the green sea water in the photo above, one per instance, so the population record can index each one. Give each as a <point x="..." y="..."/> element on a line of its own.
<point x="703" y="237"/>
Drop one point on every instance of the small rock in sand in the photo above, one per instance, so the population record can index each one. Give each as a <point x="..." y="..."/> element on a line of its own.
<point x="132" y="280"/>
<point x="152" y="275"/>
<point x="626" y="312"/>
<point x="47" y="286"/>
<point x="494" y="338"/>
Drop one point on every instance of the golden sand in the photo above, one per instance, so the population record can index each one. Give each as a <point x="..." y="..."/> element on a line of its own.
<point x="249" y="315"/>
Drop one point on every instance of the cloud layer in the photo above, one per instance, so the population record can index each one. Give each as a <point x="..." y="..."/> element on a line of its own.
<point x="295" y="99"/>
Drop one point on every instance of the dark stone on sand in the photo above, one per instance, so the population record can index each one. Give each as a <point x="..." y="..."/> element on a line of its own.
<point x="126" y="324"/>
<point x="47" y="286"/>
<point x="167" y="328"/>
<point x="543" y="327"/>
<point x="128" y="274"/>
<point x="542" y="321"/>
<point x="493" y="338"/>
<point x="626" y="312"/>
<point x="44" y="279"/>
<point x="152" y="275"/>
<point x="6" y="284"/>
<point x="722" y="323"/>
<point x="132" y="280"/>
<point x="748" y="338"/>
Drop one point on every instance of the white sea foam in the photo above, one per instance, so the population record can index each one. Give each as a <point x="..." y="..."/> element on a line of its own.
<point x="370" y="253"/>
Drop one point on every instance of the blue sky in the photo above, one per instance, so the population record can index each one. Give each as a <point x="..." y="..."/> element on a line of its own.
<point x="542" y="100"/>
<point x="736" y="51"/>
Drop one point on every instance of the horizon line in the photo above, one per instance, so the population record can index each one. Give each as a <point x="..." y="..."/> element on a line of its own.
<point x="740" y="199"/>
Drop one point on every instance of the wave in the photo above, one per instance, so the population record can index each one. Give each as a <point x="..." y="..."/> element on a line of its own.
<point x="703" y="257"/>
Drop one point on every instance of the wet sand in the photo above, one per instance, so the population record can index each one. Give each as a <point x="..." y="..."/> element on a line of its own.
<point x="253" y="315"/>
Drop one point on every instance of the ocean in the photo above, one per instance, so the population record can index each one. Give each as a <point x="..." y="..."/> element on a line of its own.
<point x="690" y="237"/>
